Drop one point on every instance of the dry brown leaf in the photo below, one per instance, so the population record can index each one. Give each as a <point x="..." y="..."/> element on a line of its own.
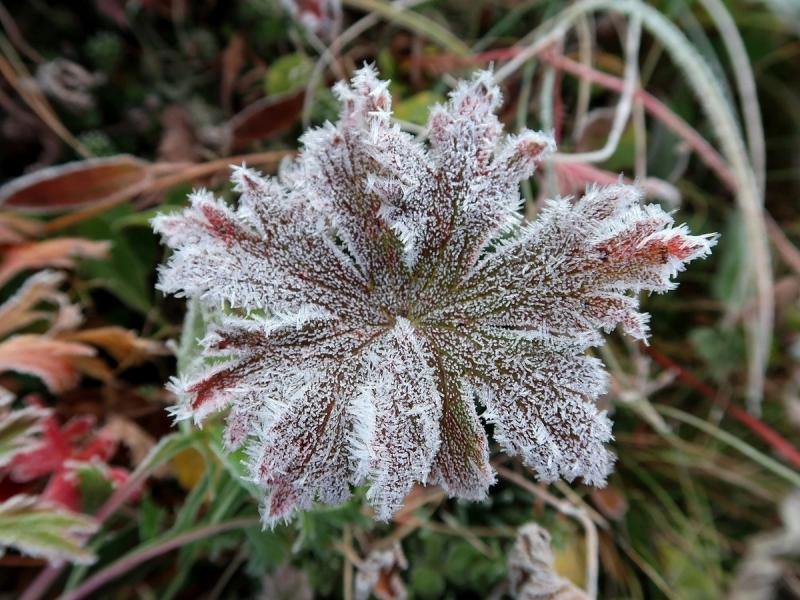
<point x="379" y="575"/>
<point x="232" y="63"/>
<point x="123" y="345"/>
<point x="178" y="141"/>
<point x="48" y="359"/>
<point x="94" y="367"/>
<point x="58" y="252"/>
<point x="610" y="501"/>
<point x="15" y="229"/>
<point x="264" y="119"/>
<point x="128" y="433"/>
<point x="73" y="185"/>
<point x="20" y="310"/>
<point x="531" y="573"/>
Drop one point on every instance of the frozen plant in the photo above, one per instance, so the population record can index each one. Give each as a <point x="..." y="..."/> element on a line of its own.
<point x="378" y="289"/>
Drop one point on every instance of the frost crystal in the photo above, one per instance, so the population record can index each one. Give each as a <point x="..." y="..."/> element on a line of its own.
<point x="379" y="288"/>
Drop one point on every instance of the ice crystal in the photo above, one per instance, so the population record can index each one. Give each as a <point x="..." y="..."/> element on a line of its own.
<point x="379" y="290"/>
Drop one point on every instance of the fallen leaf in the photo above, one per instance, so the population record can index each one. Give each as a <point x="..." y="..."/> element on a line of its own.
<point x="178" y="140"/>
<point x="48" y="359"/>
<point x="19" y="430"/>
<point x="122" y="344"/>
<point x="114" y="10"/>
<point x="15" y="229"/>
<point x="232" y="63"/>
<point x="127" y="432"/>
<point x="320" y="17"/>
<point x="58" y="252"/>
<point x="94" y="367"/>
<point x="264" y="119"/>
<point x="62" y="452"/>
<point x="286" y="583"/>
<point x="188" y="466"/>
<point x="73" y="185"/>
<point x="610" y="501"/>
<point x="768" y="557"/>
<point x="20" y="310"/>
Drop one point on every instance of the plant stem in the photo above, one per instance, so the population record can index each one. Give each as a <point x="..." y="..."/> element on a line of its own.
<point x="134" y="559"/>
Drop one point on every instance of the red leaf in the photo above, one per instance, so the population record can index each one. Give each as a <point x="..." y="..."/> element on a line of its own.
<point x="72" y="185"/>
<point x="264" y="119"/>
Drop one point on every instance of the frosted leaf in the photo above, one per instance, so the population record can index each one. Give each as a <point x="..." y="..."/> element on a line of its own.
<point x="400" y="412"/>
<point x="379" y="292"/>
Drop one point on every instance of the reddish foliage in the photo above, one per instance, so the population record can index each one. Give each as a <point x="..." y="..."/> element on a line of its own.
<point x="64" y="448"/>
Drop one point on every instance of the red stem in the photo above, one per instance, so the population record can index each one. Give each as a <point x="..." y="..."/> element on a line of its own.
<point x="782" y="446"/>
<point x="124" y="565"/>
<point x="651" y="104"/>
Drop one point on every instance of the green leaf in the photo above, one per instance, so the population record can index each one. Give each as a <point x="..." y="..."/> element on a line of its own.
<point x="288" y="74"/>
<point x="722" y="349"/>
<point x="266" y="550"/>
<point x="94" y="485"/>
<point x="126" y="272"/>
<point x="18" y="431"/>
<point x="40" y="530"/>
<point x="151" y="516"/>
<point x="123" y="275"/>
<point x="427" y="582"/>
<point x="416" y="108"/>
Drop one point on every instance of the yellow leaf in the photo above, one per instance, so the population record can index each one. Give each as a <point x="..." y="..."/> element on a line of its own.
<point x="188" y="466"/>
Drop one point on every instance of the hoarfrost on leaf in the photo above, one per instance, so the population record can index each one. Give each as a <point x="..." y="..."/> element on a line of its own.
<point x="379" y="289"/>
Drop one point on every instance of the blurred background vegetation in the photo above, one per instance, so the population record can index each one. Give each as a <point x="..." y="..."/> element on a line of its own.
<point x="146" y="99"/>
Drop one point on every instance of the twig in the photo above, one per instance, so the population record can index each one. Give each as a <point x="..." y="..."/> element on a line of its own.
<point x="347" y="567"/>
<point x="15" y="35"/>
<point x="12" y="69"/>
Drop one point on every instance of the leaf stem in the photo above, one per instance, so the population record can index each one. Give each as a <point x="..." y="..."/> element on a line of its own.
<point x="134" y="559"/>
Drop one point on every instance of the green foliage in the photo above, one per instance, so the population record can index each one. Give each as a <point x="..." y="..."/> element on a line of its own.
<point x="98" y="143"/>
<point x="128" y="271"/>
<point x="34" y="528"/>
<point x="288" y="74"/>
<point x="722" y="349"/>
<point x="18" y="431"/>
<point x="94" y="486"/>
<point x="415" y="109"/>
<point x="104" y="49"/>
